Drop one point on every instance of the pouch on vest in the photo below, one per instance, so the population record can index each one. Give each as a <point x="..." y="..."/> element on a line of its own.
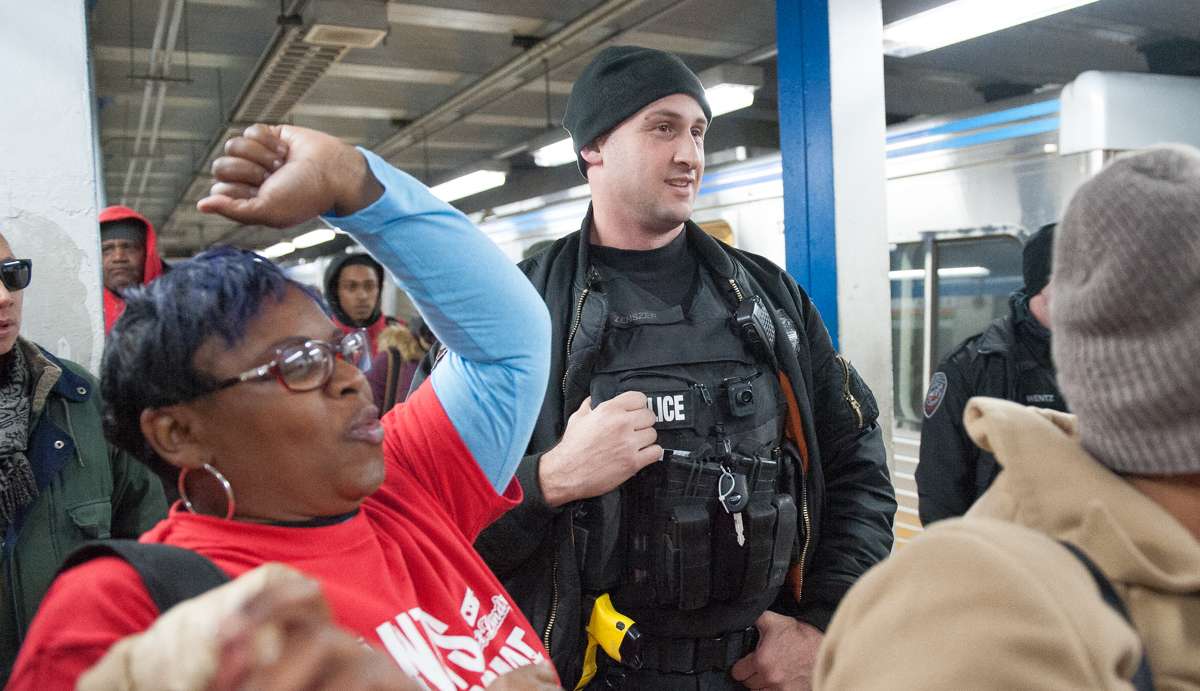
<point x="598" y="546"/>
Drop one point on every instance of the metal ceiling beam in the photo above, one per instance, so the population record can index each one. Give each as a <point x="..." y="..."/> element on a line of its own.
<point x="687" y="45"/>
<point x="507" y="76"/>
<point x="201" y="59"/>
<point x="463" y="20"/>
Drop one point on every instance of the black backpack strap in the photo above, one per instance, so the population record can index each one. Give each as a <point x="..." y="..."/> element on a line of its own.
<point x="170" y="574"/>
<point x="1142" y="680"/>
<point x="391" y="380"/>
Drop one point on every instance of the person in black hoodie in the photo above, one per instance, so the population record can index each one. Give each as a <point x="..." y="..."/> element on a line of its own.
<point x="1010" y="360"/>
<point x="353" y="288"/>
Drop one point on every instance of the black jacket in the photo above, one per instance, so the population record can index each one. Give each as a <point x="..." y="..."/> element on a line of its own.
<point x="850" y="497"/>
<point x="1009" y="360"/>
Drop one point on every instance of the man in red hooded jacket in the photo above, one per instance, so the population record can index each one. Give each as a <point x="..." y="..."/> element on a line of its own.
<point x="129" y="253"/>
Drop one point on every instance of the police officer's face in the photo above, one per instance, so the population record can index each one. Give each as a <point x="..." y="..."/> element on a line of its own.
<point x="653" y="161"/>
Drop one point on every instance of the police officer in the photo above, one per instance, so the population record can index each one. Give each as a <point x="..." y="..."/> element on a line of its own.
<point x="703" y="455"/>
<point x="1010" y="360"/>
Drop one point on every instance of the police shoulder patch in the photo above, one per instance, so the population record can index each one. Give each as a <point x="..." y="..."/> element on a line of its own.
<point x="937" y="392"/>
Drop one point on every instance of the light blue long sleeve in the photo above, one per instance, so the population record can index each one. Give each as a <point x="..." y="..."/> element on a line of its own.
<point x="478" y="304"/>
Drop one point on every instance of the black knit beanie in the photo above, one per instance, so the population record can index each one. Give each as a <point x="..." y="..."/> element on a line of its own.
<point x="620" y="81"/>
<point x="129" y="229"/>
<point x="1035" y="259"/>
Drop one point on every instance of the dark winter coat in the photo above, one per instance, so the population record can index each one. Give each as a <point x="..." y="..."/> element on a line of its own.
<point x="87" y="490"/>
<point x="1009" y="360"/>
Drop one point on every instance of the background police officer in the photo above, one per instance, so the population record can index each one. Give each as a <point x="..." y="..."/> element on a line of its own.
<point x="1010" y="360"/>
<point x="665" y="338"/>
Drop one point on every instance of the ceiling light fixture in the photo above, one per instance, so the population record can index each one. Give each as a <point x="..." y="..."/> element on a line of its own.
<point x="279" y="249"/>
<point x="469" y="184"/>
<point x="313" y="237"/>
<point x="730" y="87"/>
<point x="961" y="20"/>
<point x="558" y="153"/>
<point x="726" y="98"/>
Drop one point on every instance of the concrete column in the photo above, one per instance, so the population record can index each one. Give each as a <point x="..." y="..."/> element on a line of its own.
<point x="48" y="174"/>
<point x="832" y="130"/>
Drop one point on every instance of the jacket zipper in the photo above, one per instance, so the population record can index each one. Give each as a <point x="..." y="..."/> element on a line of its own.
<point x="807" y="536"/>
<point x="803" y="489"/>
<point x="571" y="335"/>
<point x="736" y="290"/>
<point x="554" y="565"/>
<point x="553" y="604"/>
<point x="846" y="391"/>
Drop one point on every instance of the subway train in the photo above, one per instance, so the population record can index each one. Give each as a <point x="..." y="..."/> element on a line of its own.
<point x="963" y="191"/>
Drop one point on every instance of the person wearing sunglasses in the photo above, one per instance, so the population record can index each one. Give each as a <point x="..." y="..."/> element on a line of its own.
<point x="236" y="376"/>
<point x="61" y="484"/>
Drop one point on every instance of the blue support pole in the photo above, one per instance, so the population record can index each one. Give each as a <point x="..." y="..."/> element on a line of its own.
<point x="806" y="144"/>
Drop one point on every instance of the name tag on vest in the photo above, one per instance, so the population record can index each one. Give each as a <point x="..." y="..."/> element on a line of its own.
<point x="1040" y="398"/>
<point x="672" y="409"/>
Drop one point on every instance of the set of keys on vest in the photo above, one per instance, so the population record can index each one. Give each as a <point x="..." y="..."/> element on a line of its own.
<point x="734" y="495"/>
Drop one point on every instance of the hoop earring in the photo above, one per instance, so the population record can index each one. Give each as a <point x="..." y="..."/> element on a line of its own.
<point x="219" y="477"/>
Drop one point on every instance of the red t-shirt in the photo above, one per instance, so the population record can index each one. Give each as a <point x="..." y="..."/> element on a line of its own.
<point x="402" y="573"/>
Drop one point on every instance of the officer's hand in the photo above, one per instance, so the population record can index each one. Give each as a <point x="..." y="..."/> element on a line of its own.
<point x="280" y="175"/>
<point x="785" y="657"/>
<point x="600" y="449"/>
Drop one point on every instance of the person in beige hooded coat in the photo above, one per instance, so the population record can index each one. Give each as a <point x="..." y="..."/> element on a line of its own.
<point x="994" y="600"/>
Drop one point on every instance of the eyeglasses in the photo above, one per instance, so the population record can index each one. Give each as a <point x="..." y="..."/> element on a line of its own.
<point x="16" y="273"/>
<point x="304" y="365"/>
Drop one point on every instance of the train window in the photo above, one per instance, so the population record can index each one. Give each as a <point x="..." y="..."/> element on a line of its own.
<point x="975" y="278"/>
<point x="908" y="331"/>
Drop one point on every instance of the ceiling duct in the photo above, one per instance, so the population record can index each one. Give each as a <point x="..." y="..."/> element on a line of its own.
<point x="330" y="29"/>
<point x="300" y="55"/>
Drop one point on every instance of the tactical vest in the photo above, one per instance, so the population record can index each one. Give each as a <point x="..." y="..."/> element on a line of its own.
<point x="706" y="534"/>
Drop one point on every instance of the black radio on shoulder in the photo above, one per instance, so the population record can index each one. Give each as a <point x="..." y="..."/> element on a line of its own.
<point x="753" y="322"/>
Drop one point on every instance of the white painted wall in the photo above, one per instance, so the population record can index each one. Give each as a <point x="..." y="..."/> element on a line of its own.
<point x="48" y="177"/>
<point x="857" y="106"/>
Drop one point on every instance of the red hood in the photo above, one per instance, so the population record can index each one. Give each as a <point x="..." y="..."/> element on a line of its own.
<point x="152" y="269"/>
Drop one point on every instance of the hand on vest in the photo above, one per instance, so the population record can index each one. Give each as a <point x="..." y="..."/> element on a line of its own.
<point x="285" y="639"/>
<point x="600" y="449"/>
<point x="784" y="658"/>
<point x="280" y="175"/>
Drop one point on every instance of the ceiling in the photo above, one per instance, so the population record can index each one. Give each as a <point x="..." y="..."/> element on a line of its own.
<point x="459" y="82"/>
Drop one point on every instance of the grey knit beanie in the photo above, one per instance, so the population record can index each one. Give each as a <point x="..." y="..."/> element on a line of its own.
<point x="1126" y="311"/>
<point x="620" y="81"/>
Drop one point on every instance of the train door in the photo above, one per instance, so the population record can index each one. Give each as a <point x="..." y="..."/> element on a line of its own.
<point x="973" y="273"/>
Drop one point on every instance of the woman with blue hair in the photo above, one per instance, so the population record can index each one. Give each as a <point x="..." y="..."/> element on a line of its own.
<point x="233" y="375"/>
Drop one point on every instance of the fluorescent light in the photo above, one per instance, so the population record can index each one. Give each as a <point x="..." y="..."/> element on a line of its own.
<point x="725" y="98"/>
<point x="948" y="272"/>
<point x="314" y="237"/>
<point x="730" y="86"/>
<point x="471" y="183"/>
<point x="279" y="249"/>
<point x="559" y="153"/>
<point x="961" y="20"/>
